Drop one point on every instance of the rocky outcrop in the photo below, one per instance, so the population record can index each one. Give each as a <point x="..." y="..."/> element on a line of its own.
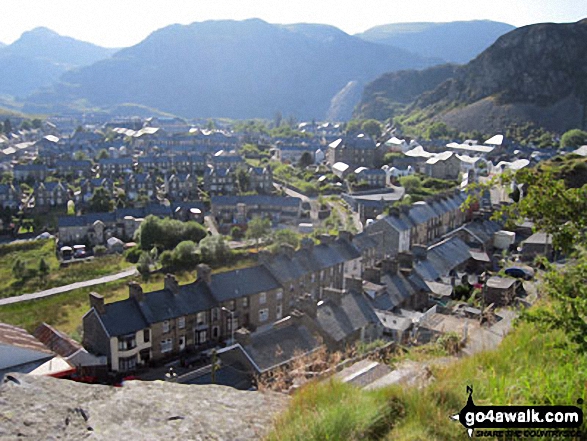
<point x="50" y="409"/>
<point x="535" y="74"/>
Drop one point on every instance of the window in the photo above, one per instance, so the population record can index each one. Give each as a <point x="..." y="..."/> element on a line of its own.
<point x="126" y="342"/>
<point x="166" y="326"/>
<point x="201" y="319"/>
<point x="215" y="314"/>
<point x="279" y="312"/>
<point x="181" y="322"/>
<point x="231" y="305"/>
<point x="245" y="302"/>
<point x="263" y="298"/>
<point x="215" y="332"/>
<point x="279" y="295"/>
<point x="230" y="323"/>
<point x="166" y="345"/>
<point x="263" y="315"/>
<point x="127" y="363"/>
<point x="146" y="335"/>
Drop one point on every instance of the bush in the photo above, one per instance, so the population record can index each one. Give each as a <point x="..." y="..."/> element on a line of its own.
<point x="166" y="234"/>
<point x="185" y="255"/>
<point x="133" y="254"/>
<point x="100" y="250"/>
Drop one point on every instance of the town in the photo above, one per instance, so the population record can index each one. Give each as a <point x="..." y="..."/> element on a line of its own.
<point x="255" y="245"/>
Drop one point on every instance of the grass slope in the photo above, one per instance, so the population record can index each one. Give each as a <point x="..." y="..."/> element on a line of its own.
<point x="528" y="368"/>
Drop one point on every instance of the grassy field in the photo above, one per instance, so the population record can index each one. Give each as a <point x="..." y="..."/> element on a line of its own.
<point x="65" y="311"/>
<point x="33" y="251"/>
<point x="528" y="368"/>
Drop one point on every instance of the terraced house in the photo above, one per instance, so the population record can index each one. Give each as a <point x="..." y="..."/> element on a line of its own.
<point x="181" y="319"/>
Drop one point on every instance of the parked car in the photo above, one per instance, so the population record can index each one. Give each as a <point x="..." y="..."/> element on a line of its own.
<point x="79" y="251"/>
<point x="519" y="273"/>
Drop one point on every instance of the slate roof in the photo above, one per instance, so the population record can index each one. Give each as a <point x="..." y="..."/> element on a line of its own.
<point x="364" y="242"/>
<point x="242" y="282"/>
<point x="280" y="345"/>
<point x="256" y="200"/>
<point x="442" y="258"/>
<point x="161" y="305"/>
<point x="123" y="317"/>
<point x="339" y="321"/>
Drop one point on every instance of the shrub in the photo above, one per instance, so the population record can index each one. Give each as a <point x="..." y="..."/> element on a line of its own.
<point x="133" y="254"/>
<point x="100" y="250"/>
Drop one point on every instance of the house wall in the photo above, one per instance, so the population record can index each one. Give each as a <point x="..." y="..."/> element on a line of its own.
<point x="95" y="338"/>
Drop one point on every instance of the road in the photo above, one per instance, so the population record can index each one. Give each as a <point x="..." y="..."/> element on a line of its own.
<point x="61" y="289"/>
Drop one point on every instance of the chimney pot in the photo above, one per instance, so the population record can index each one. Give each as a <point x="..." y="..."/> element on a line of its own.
<point x="97" y="302"/>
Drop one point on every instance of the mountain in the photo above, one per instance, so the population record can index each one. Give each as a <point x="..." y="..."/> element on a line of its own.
<point x="533" y="75"/>
<point x="235" y="69"/>
<point x="392" y="91"/>
<point x="40" y="56"/>
<point x="453" y="42"/>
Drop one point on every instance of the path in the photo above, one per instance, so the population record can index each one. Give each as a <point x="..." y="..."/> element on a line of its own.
<point x="60" y="289"/>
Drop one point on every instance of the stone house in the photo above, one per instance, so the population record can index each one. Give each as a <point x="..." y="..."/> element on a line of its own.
<point x="443" y="166"/>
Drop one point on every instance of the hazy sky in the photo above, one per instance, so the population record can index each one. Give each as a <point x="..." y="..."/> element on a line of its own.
<point x="118" y="23"/>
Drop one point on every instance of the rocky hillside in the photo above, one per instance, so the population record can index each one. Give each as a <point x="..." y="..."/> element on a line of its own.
<point x="236" y="69"/>
<point x="39" y="57"/>
<point x="392" y="91"/>
<point x="453" y="42"/>
<point x="533" y="75"/>
<point x="46" y="408"/>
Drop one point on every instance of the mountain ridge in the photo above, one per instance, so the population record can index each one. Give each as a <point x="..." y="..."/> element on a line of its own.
<point x="235" y="69"/>
<point x="533" y="75"/>
<point x="454" y="42"/>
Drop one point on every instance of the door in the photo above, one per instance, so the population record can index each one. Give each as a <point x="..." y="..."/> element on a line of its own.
<point x="182" y="343"/>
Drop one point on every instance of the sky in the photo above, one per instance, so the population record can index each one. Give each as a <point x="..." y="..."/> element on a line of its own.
<point x="121" y="23"/>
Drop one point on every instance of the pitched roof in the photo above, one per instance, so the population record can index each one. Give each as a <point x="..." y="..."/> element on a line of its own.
<point x="339" y="321"/>
<point x="277" y="346"/>
<point x="242" y="282"/>
<point x="442" y="258"/>
<point x="56" y="341"/>
<point x="123" y="317"/>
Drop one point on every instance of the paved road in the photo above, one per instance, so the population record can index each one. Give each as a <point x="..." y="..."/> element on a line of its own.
<point x="65" y="288"/>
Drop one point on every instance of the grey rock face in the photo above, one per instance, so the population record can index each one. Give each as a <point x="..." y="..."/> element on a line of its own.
<point x="50" y="409"/>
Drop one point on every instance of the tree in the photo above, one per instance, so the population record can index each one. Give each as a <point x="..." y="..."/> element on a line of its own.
<point x="185" y="255"/>
<point x="306" y="159"/>
<point x="372" y="127"/>
<point x="7" y="126"/>
<point x="26" y="125"/>
<point x="285" y="237"/>
<point x="258" y="228"/>
<point x="144" y="264"/>
<point x="574" y="138"/>
<point x="19" y="269"/>
<point x="37" y="123"/>
<point x="214" y="250"/>
<point x="44" y="268"/>
<point x="557" y="210"/>
<point x="103" y="154"/>
<point x="166" y="234"/>
<point x="101" y="201"/>
<point x="410" y="183"/>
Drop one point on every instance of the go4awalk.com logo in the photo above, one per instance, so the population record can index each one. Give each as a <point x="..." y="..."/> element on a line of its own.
<point x="562" y="422"/>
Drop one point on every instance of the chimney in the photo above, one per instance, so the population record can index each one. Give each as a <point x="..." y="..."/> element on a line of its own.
<point x="135" y="291"/>
<point x="242" y="336"/>
<point x="345" y="235"/>
<point x="204" y="273"/>
<point x="353" y="284"/>
<point x="287" y="249"/>
<point x="420" y="252"/>
<point x="389" y="266"/>
<point x="372" y="274"/>
<point x="405" y="259"/>
<point x="307" y="244"/>
<point x="308" y="305"/>
<point x="171" y="283"/>
<point x="325" y="239"/>
<point x="333" y="294"/>
<point x="97" y="302"/>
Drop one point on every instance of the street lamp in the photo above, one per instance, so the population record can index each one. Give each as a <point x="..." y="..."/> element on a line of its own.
<point x="231" y="323"/>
